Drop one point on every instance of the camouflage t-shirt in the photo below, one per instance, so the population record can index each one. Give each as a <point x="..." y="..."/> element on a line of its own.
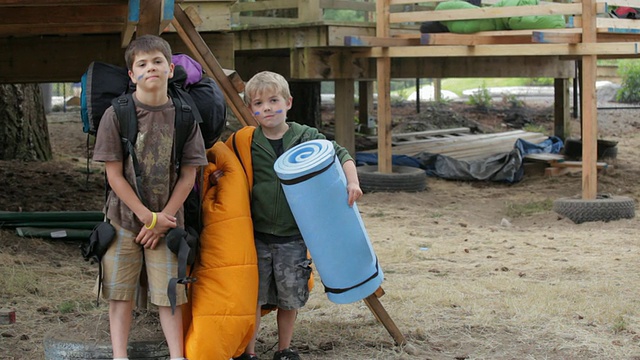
<point x="154" y="149"/>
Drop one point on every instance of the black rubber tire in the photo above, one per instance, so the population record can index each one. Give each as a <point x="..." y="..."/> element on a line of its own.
<point x="56" y="349"/>
<point x="402" y="178"/>
<point x="603" y="208"/>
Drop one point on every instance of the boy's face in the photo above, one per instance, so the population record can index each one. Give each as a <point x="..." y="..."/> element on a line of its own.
<point x="150" y="71"/>
<point x="270" y="108"/>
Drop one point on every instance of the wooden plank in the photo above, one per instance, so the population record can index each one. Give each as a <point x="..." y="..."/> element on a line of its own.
<point x="203" y="54"/>
<point x="149" y="23"/>
<point x="550" y="36"/>
<point x="429" y="133"/>
<point x="376" y="41"/>
<point x="474" y="39"/>
<point x="381" y="314"/>
<point x="614" y="48"/>
<point x="564" y="163"/>
<point x="546" y="157"/>
<point x="347" y="5"/>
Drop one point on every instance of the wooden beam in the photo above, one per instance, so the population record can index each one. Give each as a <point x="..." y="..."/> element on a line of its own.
<point x="626" y="48"/>
<point x="376" y="41"/>
<point x="150" y="12"/>
<point x="129" y="28"/>
<point x="474" y="39"/>
<point x="344" y="112"/>
<point x="589" y="104"/>
<point x="550" y="36"/>
<point x="383" y="76"/>
<point x="561" y="109"/>
<point x="204" y="55"/>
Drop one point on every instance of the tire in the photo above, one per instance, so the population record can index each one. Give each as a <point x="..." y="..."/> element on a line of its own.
<point x="603" y="208"/>
<point x="56" y="349"/>
<point x="402" y="178"/>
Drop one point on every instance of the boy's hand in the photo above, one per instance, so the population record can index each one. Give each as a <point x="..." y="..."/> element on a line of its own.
<point x="149" y="238"/>
<point x="354" y="192"/>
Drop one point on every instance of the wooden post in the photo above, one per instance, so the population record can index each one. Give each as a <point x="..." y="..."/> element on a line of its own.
<point x="345" y="127"/>
<point x="309" y="11"/>
<point x="561" y="109"/>
<point x="365" y="106"/>
<point x="589" y="105"/>
<point x="437" y="89"/>
<point x="383" y="76"/>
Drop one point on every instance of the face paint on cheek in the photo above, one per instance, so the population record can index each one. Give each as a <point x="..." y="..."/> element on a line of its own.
<point x="279" y="111"/>
<point x="256" y="113"/>
<point x="140" y="77"/>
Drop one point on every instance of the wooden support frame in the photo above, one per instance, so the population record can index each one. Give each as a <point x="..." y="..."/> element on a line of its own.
<point x="200" y="49"/>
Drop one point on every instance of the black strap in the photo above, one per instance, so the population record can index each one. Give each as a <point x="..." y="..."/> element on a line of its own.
<point x="308" y="176"/>
<point x="99" y="283"/>
<point x="182" y="278"/>
<point x="340" y="291"/>
<point x="125" y="110"/>
<point x="237" y="152"/>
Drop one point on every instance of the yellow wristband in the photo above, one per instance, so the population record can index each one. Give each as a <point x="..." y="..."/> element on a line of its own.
<point x="153" y="222"/>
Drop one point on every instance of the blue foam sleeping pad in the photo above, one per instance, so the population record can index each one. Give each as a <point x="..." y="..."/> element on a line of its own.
<point x="315" y="187"/>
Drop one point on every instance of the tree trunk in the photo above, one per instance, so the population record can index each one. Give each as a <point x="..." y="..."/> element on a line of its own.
<point x="24" y="134"/>
<point x="306" y="103"/>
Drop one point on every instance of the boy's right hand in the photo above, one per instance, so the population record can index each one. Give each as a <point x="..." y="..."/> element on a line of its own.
<point x="149" y="238"/>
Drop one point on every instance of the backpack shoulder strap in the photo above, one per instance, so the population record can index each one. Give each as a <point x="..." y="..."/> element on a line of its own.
<point x="125" y="110"/>
<point x="184" y="123"/>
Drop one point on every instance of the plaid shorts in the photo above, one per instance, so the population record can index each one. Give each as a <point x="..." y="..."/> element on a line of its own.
<point x="284" y="271"/>
<point x="122" y="266"/>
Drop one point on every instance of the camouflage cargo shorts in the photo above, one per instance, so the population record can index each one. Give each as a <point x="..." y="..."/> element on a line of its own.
<point x="284" y="274"/>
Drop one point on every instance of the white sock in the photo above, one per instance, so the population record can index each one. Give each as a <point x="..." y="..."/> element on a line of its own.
<point x="178" y="358"/>
<point x="120" y="358"/>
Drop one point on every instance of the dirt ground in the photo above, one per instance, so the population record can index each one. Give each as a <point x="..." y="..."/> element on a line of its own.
<point x="473" y="270"/>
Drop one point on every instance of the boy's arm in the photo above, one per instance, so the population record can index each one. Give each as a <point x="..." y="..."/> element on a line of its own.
<point x="353" y="184"/>
<point x="183" y="187"/>
<point x="147" y="237"/>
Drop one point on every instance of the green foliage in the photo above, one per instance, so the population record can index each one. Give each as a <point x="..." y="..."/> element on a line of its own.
<point x="481" y="98"/>
<point x="343" y="15"/>
<point x="540" y="81"/>
<point x="512" y="100"/>
<point x="629" y="70"/>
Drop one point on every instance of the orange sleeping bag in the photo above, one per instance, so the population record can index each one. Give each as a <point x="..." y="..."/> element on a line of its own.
<point x="220" y="316"/>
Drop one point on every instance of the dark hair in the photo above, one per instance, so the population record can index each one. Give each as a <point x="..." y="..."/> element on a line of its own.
<point x="146" y="44"/>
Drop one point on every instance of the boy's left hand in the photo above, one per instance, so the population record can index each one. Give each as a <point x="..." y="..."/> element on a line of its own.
<point x="354" y="192"/>
<point x="149" y="238"/>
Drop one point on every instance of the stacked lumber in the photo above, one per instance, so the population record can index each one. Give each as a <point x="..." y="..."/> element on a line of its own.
<point x="459" y="143"/>
<point x="557" y="164"/>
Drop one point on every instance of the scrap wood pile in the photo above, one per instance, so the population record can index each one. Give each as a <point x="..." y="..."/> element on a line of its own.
<point x="459" y="143"/>
<point x="66" y="225"/>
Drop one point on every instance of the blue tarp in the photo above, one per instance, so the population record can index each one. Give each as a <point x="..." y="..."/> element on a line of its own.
<point x="503" y="167"/>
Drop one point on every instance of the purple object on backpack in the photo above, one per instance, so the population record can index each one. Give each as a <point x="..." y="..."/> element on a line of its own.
<point x="192" y="67"/>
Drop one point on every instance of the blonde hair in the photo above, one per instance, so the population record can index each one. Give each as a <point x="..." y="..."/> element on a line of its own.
<point x="266" y="80"/>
